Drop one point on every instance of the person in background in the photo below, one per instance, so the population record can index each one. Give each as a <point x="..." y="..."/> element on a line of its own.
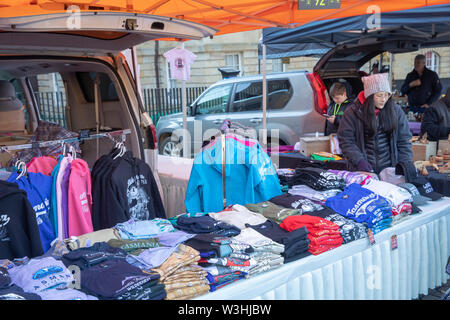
<point x="422" y="86"/>
<point x="374" y="133"/>
<point x="436" y="120"/>
<point x="338" y="93"/>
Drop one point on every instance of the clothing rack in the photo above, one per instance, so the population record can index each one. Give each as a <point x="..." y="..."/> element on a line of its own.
<point x="81" y="137"/>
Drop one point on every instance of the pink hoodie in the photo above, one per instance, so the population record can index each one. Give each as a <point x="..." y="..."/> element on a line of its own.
<point x="42" y="165"/>
<point x="80" y="199"/>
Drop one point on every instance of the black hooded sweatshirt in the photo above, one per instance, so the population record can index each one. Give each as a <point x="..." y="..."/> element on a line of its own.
<point x="128" y="190"/>
<point x="19" y="231"/>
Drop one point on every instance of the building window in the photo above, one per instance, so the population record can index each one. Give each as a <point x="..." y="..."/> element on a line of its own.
<point x="233" y="61"/>
<point x="278" y="65"/>
<point x="432" y="61"/>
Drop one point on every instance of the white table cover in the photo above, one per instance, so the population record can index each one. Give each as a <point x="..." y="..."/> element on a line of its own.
<point x="359" y="270"/>
<point x="174" y="175"/>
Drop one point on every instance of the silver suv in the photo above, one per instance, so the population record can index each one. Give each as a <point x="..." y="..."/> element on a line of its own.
<point x="292" y="111"/>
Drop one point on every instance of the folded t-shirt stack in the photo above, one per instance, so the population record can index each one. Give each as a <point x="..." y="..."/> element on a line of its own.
<point x="316" y="196"/>
<point x="323" y="235"/>
<point x="225" y="249"/>
<point x="119" y="280"/>
<point x="238" y="215"/>
<point x="399" y="198"/>
<point x="381" y="225"/>
<point x="90" y="256"/>
<point x="361" y="205"/>
<point x="349" y="229"/>
<point x="106" y="274"/>
<point x="267" y="253"/>
<point x="285" y="176"/>
<point x="296" y="242"/>
<point x="178" y="270"/>
<point x="301" y="203"/>
<point x="352" y="177"/>
<point x="214" y="246"/>
<point x="318" y="179"/>
<point x="308" y="192"/>
<point x="206" y="224"/>
<point x="186" y="282"/>
<point x="219" y="276"/>
<point x="153" y="257"/>
<point x="272" y="211"/>
<point x="47" y="277"/>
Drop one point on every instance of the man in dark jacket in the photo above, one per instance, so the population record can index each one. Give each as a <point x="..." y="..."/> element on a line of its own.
<point x="436" y="120"/>
<point x="373" y="151"/>
<point x="422" y="86"/>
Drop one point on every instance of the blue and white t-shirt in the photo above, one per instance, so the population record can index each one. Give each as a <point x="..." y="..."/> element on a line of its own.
<point x="360" y="204"/>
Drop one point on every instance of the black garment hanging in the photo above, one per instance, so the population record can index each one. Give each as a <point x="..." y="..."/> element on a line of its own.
<point x="19" y="232"/>
<point x="124" y="188"/>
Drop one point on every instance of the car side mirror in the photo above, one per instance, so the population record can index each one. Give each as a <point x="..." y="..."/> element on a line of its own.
<point x="190" y="110"/>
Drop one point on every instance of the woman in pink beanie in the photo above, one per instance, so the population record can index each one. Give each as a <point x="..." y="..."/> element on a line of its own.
<point x="374" y="132"/>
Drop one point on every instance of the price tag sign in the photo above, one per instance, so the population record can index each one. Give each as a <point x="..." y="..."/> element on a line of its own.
<point x="394" y="244"/>
<point x="371" y="237"/>
<point x="318" y="4"/>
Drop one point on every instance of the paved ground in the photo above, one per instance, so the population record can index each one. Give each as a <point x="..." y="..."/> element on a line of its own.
<point x="436" y="293"/>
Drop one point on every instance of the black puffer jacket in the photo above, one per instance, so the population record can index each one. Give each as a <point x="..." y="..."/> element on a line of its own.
<point x="377" y="149"/>
<point x="380" y="151"/>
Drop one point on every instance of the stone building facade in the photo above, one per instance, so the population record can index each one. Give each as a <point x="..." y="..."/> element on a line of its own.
<point x="241" y="50"/>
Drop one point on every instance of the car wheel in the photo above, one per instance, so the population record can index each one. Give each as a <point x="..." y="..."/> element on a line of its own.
<point x="171" y="148"/>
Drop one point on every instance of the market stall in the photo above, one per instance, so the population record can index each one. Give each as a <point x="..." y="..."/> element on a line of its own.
<point x="117" y="231"/>
<point x="359" y="270"/>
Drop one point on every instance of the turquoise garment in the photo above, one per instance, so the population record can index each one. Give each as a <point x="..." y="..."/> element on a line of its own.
<point x="250" y="175"/>
<point x="53" y="214"/>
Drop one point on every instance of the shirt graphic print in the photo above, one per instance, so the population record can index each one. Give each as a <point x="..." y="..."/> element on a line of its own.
<point x="4" y="220"/>
<point x="138" y="198"/>
<point x="180" y="61"/>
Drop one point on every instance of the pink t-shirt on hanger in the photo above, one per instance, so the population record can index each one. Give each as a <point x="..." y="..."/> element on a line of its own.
<point x="180" y="61"/>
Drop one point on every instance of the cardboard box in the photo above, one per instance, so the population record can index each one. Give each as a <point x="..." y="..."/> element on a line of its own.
<point x="12" y="121"/>
<point x="423" y="151"/>
<point x="309" y="145"/>
<point x="444" y="145"/>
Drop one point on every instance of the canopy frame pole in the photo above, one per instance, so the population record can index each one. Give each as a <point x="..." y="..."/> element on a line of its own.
<point x="184" y="106"/>
<point x="253" y="13"/>
<point x="156" y="6"/>
<point x="249" y="16"/>
<point x="264" y="101"/>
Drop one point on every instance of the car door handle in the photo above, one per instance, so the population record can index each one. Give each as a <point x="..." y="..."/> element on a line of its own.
<point x="218" y="121"/>
<point x="256" y="120"/>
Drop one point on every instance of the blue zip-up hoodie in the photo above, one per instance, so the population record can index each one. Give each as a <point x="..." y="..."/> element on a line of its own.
<point x="38" y="188"/>
<point x="250" y="176"/>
